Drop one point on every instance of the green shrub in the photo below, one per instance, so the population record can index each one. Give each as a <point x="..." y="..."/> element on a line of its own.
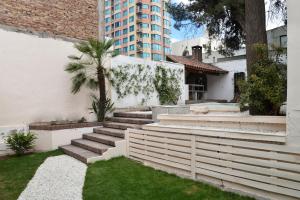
<point x="109" y="107"/>
<point x="265" y="89"/>
<point x="20" y="141"/>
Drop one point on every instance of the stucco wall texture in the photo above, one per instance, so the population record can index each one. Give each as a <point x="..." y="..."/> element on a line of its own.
<point x="68" y="18"/>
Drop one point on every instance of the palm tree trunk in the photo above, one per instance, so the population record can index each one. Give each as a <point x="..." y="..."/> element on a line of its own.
<point x="102" y="93"/>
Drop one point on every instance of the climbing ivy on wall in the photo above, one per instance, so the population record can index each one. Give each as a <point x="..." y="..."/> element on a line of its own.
<point x="167" y="84"/>
<point x="143" y="80"/>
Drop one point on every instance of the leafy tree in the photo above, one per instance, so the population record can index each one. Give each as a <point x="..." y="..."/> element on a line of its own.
<point x="230" y="21"/>
<point x="265" y="89"/>
<point x="89" y="69"/>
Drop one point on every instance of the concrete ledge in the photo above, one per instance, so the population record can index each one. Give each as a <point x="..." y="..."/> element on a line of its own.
<point x="49" y="126"/>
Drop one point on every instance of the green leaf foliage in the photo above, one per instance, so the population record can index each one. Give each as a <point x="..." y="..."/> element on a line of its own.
<point x="20" y="141"/>
<point x="265" y="89"/>
<point x="109" y="107"/>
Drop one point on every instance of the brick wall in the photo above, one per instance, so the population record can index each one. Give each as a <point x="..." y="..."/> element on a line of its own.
<point x="68" y="18"/>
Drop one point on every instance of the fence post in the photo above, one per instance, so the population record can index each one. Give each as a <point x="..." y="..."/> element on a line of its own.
<point x="193" y="156"/>
<point x="127" y="142"/>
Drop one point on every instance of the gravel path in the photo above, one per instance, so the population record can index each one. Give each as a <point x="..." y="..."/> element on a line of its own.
<point x="58" y="178"/>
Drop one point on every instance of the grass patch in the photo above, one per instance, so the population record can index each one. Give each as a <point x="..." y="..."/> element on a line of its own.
<point x="16" y="172"/>
<point x="121" y="178"/>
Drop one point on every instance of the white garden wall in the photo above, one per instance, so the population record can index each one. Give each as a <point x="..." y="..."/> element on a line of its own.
<point x="222" y="86"/>
<point x="33" y="83"/>
<point x="132" y="100"/>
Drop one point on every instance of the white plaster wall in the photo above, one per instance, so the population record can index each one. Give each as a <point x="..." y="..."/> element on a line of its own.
<point x="293" y="96"/>
<point x="132" y="100"/>
<point x="222" y="86"/>
<point x="33" y="83"/>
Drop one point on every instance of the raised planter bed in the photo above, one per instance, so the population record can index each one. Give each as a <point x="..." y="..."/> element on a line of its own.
<point x="51" y="135"/>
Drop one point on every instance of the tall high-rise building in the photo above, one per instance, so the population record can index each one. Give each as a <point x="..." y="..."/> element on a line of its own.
<point x="140" y="28"/>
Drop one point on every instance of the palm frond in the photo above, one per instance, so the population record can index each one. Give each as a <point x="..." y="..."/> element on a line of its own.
<point x="77" y="81"/>
<point x="92" y="84"/>
<point x="73" y="57"/>
<point x="74" y="67"/>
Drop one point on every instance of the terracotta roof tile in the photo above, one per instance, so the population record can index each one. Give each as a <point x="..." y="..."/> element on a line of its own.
<point x="194" y="64"/>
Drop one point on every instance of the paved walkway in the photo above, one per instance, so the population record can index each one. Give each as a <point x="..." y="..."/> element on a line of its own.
<point x="58" y="178"/>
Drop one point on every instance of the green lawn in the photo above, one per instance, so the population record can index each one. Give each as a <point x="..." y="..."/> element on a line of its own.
<point x="16" y="172"/>
<point x="121" y="178"/>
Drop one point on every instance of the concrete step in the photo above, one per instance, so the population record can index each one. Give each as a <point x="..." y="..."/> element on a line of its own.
<point x="91" y="145"/>
<point x="142" y="115"/>
<point x="104" y="139"/>
<point x="110" y="131"/>
<point x="81" y="154"/>
<point x="259" y="123"/>
<point x="130" y="120"/>
<point x="122" y="126"/>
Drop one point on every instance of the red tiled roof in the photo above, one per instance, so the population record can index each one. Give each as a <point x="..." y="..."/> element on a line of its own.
<point x="194" y="64"/>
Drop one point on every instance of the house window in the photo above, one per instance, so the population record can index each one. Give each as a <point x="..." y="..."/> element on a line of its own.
<point x="131" y="38"/>
<point x="283" y="41"/>
<point x="131" y="9"/>
<point x="237" y="78"/>
<point x="156" y="57"/>
<point x="131" y="47"/>
<point x="131" y="28"/>
<point x="131" y="19"/>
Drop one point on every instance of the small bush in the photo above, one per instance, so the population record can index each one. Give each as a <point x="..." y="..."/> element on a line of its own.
<point x="109" y="107"/>
<point x="20" y="141"/>
<point x="265" y="89"/>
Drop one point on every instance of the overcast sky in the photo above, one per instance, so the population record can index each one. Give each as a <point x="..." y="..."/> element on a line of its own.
<point x="187" y="34"/>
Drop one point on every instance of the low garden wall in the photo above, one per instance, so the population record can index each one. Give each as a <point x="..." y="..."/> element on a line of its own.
<point x="261" y="165"/>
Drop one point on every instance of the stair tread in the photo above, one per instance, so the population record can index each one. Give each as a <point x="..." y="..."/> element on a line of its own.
<point x="84" y="153"/>
<point x="110" y="130"/>
<point x="134" y="114"/>
<point x="121" y="124"/>
<point x="105" y="137"/>
<point x="131" y="118"/>
<point x="93" y="144"/>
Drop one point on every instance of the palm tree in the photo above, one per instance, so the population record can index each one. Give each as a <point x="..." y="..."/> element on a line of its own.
<point x="89" y="69"/>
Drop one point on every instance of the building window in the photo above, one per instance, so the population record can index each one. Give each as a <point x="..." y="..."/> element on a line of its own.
<point x="283" y="41"/>
<point x="117" y="24"/>
<point x="117" y="42"/>
<point x="131" y="9"/>
<point x="125" y="21"/>
<point x="155" y="27"/>
<point x="145" y="45"/>
<point x="131" y="19"/>
<point x="118" y="15"/>
<point x="155" y="9"/>
<point x="167" y="50"/>
<point x="107" y="28"/>
<point x="155" y="1"/>
<point x="167" y="41"/>
<point x="156" y="37"/>
<point x="145" y="16"/>
<point x="131" y="28"/>
<point x="167" y="23"/>
<point x="167" y="31"/>
<point x="155" y="18"/>
<point x="107" y="20"/>
<point x="145" y="6"/>
<point x="125" y="49"/>
<point x="125" y="13"/>
<point x="125" y="31"/>
<point x="117" y="7"/>
<point x="156" y="57"/>
<point x="107" y="12"/>
<point x="144" y="25"/>
<point x="107" y="3"/>
<point x="131" y="38"/>
<point x="144" y="35"/>
<point x="125" y="40"/>
<point x="117" y="33"/>
<point x="131" y="1"/>
<point x="125" y="4"/>
<point x="156" y="47"/>
<point x="131" y="47"/>
<point x="145" y="55"/>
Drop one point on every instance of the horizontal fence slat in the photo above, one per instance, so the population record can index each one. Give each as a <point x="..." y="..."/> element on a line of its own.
<point x="250" y="168"/>
<point x="254" y="145"/>
<point x="255" y="184"/>
<point x="159" y="145"/>
<point x="249" y="153"/>
<point x="251" y="176"/>
<point x="162" y="139"/>
<point x="160" y="161"/>
<point x="161" y="134"/>
<point x="251" y="161"/>
<point x="161" y="156"/>
<point x="161" y="150"/>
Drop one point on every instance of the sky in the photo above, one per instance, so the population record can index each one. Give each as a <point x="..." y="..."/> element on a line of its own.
<point x="184" y="34"/>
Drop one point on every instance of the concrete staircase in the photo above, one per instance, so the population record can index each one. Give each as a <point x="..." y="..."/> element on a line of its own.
<point x="107" y="141"/>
